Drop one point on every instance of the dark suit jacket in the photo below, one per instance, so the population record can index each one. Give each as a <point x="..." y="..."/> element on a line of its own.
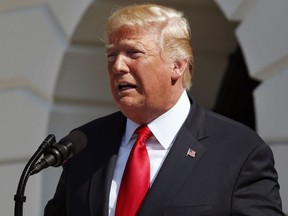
<point x="232" y="173"/>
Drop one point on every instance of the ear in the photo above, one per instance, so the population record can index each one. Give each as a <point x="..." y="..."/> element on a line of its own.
<point x="179" y="67"/>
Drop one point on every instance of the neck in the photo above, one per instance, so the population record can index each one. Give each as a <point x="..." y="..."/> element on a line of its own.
<point x="148" y="114"/>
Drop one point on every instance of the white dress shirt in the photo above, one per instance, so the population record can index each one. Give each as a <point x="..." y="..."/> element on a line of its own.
<point x="164" y="129"/>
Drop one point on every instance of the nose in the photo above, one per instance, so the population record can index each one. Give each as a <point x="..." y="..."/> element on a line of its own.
<point x="120" y="65"/>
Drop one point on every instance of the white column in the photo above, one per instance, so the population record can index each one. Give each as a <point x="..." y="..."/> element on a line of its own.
<point x="34" y="37"/>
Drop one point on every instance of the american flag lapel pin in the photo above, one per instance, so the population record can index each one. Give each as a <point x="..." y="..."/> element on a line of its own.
<point x="191" y="153"/>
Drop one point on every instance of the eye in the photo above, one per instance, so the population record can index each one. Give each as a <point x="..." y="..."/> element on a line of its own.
<point x="111" y="56"/>
<point x="133" y="53"/>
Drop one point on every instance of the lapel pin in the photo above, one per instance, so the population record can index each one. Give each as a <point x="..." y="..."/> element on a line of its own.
<point x="191" y="153"/>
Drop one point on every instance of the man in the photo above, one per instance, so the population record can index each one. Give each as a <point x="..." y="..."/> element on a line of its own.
<point x="200" y="163"/>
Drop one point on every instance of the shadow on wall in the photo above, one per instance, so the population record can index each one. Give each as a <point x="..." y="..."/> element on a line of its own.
<point x="235" y="96"/>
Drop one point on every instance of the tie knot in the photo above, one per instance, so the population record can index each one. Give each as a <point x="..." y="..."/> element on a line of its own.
<point x="143" y="132"/>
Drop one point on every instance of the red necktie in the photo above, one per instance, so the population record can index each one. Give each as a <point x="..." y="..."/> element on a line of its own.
<point x="136" y="178"/>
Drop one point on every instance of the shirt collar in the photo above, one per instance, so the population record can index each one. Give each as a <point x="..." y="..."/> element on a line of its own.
<point x="166" y="126"/>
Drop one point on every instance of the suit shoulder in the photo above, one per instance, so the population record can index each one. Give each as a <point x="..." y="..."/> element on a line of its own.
<point x="231" y="129"/>
<point x="103" y="123"/>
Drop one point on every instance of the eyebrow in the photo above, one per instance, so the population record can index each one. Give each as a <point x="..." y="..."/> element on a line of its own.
<point x="109" y="46"/>
<point x="125" y="42"/>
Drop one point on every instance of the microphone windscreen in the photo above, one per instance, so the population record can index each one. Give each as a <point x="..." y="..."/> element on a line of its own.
<point x="78" y="140"/>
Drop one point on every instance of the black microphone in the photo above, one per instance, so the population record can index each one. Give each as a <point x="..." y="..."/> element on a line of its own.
<point x="60" y="152"/>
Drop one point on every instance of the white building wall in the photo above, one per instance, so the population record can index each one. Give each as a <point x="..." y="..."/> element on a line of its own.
<point x="34" y="37"/>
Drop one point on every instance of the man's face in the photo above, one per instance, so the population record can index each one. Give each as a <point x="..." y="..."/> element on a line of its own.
<point x="140" y="78"/>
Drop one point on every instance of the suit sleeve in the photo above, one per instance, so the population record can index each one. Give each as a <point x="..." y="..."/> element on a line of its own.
<point x="57" y="205"/>
<point x="256" y="191"/>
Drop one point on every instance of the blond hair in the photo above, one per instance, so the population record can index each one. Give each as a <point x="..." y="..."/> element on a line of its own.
<point x="175" y="38"/>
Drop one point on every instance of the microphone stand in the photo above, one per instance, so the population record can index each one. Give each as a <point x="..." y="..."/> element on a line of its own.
<point x="19" y="198"/>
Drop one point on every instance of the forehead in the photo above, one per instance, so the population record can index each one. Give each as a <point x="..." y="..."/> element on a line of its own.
<point x="133" y="35"/>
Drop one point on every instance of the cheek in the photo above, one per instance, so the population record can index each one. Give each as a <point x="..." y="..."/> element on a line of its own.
<point x="112" y="83"/>
<point x="110" y="79"/>
<point x="154" y="86"/>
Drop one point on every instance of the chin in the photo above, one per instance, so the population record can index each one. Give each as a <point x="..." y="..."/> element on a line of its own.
<point x="130" y="109"/>
<point x="129" y="103"/>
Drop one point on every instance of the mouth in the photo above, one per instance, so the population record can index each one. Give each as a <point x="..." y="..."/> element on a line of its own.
<point x="124" y="87"/>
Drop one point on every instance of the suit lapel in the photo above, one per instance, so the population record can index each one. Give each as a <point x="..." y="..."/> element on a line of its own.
<point x="101" y="180"/>
<point x="106" y="184"/>
<point x="177" y="164"/>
